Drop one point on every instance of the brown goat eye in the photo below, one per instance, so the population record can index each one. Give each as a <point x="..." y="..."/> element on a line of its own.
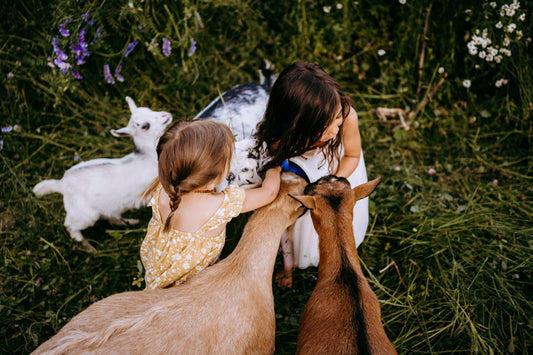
<point x="146" y="126"/>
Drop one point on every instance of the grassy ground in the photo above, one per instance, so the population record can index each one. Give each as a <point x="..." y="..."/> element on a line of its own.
<point x="448" y="248"/>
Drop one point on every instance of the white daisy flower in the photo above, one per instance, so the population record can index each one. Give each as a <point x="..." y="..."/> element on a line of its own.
<point x="467" y="83"/>
<point x="506" y="41"/>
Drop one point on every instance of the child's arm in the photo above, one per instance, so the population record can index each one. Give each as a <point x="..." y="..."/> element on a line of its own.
<point x="351" y="140"/>
<point x="261" y="196"/>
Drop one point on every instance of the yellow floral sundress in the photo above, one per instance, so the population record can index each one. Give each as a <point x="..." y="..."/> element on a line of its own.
<point x="172" y="257"/>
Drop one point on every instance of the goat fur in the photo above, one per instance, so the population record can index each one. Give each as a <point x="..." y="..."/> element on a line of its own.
<point x="228" y="308"/>
<point x="342" y="315"/>
<point x="106" y="188"/>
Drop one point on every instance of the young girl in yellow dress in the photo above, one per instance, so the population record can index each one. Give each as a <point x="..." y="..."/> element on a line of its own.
<point x="187" y="230"/>
<point x="311" y="128"/>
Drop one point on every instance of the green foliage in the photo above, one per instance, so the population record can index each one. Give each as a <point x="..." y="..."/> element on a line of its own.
<point x="453" y="212"/>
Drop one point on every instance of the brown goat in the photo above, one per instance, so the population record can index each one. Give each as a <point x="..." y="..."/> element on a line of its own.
<point x="343" y="314"/>
<point x="228" y="308"/>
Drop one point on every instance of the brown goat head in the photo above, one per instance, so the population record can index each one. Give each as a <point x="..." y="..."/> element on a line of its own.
<point x="335" y="191"/>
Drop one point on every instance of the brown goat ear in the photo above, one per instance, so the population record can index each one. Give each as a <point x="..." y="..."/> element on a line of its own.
<point x="306" y="201"/>
<point x="365" y="189"/>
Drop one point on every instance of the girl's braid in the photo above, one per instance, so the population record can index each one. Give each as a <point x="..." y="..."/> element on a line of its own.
<point x="175" y="199"/>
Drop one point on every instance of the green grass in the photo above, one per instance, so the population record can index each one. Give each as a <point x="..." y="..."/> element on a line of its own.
<point x="448" y="254"/>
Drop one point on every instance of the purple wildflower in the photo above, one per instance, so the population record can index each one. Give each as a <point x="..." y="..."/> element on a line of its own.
<point x="64" y="32"/>
<point x="62" y="65"/>
<point x="193" y="47"/>
<point x="1" y="143"/>
<point x="117" y="73"/>
<point x="80" y="60"/>
<point x="77" y="74"/>
<point x="7" y="129"/>
<point x="80" y="52"/>
<point x="10" y="75"/>
<point x="82" y="38"/>
<point x="166" y="47"/>
<point x="130" y="47"/>
<point x="432" y="171"/>
<point x="97" y="35"/>
<point x="107" y="74"/>
<point x="60" y="54"/>
<point x="85" y="17"/>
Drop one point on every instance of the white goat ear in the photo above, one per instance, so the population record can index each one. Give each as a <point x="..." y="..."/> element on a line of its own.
<point x="365" y="189"/>
<point x="131" y="104"/>
<point x="306" y="201"/>
<point x="123" y="132"/>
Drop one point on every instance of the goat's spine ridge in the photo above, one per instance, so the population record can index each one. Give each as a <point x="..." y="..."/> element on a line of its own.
<point x="350" y="280"/>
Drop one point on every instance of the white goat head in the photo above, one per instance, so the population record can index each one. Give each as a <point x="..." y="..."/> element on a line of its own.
<point x="145" y="126"/>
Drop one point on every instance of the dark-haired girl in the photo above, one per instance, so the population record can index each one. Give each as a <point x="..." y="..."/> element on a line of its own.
<point x="311" y="128"/>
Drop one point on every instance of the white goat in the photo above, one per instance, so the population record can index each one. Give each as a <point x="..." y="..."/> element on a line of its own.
<point x="342" y="315"/>
<point x="106" y="188"/>
<point x="241" y="109"/>
<point x="226" y="309"/>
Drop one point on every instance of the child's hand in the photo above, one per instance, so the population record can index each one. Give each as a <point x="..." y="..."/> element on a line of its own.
<point x="265" y="194"/>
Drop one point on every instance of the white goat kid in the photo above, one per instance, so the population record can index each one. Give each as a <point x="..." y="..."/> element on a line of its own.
<point x="106" y="188"/>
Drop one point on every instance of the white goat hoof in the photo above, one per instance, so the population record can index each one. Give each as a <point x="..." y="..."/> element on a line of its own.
<point x="87" y="246"/>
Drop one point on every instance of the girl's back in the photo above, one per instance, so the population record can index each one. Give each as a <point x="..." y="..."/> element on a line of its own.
<point x="194" y="211"/>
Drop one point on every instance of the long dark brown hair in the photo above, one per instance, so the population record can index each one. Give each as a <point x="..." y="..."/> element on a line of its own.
<point x="302" y="104"/>
<point x="190" y="155"/>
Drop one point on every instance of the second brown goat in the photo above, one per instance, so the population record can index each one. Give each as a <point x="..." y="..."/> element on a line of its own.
<point x="342" y="315"/>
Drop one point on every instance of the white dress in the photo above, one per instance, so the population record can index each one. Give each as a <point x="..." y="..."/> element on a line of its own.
<point x="303" y="235"/>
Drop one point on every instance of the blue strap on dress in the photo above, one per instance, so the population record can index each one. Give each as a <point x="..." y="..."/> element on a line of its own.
<point x="288" y="165"/>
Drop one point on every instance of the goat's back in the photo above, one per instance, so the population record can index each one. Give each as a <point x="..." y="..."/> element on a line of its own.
<point x="211" y="313"/>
